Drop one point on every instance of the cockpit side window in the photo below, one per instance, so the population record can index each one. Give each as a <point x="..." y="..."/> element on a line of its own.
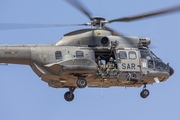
<point x="122" y="55"/>
<point x="79" y="54"/>
<point x="145" y="54"/>
<point x="132" y="55"/>
<point x="58" y="55"/>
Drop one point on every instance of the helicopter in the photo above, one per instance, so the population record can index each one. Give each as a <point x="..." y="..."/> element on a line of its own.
<point x="72" y="62"/>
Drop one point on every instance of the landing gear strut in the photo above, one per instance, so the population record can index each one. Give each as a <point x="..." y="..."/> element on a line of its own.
<point x="144" y="93"/>
<point x="69" y="96"/>
<point x="81" y="82"/>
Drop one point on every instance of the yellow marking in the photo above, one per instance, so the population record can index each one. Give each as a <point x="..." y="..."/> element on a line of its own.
<point x="132" y="61"/>
<point x="122" y="60"/>
<point x="98" y="32"/>
<point x="119" y="60"/>
<point x="12" y="52"/>
<point x="94" y="31"/>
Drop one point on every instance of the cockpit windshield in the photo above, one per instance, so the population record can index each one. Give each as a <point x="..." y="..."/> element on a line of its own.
<point x="153" y="55"/>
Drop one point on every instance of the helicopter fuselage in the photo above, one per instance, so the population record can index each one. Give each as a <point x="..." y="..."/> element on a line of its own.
<point x="99" y="57"/>
<point x="72" y="62"/>
<point x="75" y="56"/>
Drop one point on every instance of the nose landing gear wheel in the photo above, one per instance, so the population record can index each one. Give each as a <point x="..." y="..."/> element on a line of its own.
<point x="68" y="96"/>
<point x="81" y="82"/>
<point x="144" y="93"/>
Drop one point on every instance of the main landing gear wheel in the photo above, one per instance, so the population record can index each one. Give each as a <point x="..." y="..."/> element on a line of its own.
<point x="81" y="82"/>
<point x="144" y="93"/>
<point x="69" y="96"/>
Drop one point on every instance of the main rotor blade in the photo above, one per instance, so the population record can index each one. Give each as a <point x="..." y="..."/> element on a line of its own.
<point x="79" y="6"/>
<point x="113" y="31"/>
<point x="150" y="14"/>
<point x="9" y="26"/>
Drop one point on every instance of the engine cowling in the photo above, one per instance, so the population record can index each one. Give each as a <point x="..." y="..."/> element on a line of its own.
<point x="144" y="42"/>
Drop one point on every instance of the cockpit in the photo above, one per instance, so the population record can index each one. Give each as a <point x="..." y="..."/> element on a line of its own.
<point x="147" y="54"/>
<point x="150" y="60"/>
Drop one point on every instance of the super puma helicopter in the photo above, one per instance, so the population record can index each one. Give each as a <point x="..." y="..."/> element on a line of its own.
<point x="72" y="61"/>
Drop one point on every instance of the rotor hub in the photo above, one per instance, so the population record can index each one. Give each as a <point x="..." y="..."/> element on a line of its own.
<point x="98" y="21"/>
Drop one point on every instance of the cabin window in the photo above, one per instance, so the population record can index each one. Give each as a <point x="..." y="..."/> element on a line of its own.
<point x="122" y="55"/>
<point x="58" y="55"/>
<point x="79" y="54"/>
<point x="132" y="55"/>
<point x="150" y="64"/>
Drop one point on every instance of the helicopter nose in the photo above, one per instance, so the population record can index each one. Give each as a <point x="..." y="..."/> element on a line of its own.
<point x="171" y="72"/>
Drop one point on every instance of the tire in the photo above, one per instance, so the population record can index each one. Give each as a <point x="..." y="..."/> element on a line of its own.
<point x="144" y="93"/>
<point x="68" y="96"/>
<point x="81" y="83"/>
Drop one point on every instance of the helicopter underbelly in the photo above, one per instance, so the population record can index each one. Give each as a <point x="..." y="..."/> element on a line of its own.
<point x="94" y="80"/>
